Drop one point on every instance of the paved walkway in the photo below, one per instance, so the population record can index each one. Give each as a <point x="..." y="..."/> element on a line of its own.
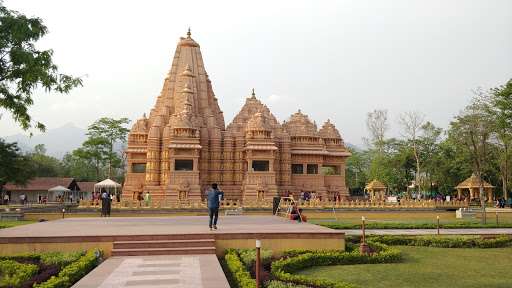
<point x="480" y="231"/>
<point x="176" y="271"/>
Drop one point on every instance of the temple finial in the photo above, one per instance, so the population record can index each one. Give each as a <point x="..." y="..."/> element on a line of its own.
<point x="188" y="33"/>
<point x="253" y="93"/>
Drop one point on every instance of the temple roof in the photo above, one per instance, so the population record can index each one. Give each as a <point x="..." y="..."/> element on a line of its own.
<point x="300" y="125"/>
<point x="328" y="130"/>
<point x="472" y="182"/>
<point x="258" y="122"/>
<point x="375" y="184"/>
<point x="252" y="107"/>
<point x="141" y="126"/>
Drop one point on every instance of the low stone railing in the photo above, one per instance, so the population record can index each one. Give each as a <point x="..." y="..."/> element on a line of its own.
<point x="267" y="203"/>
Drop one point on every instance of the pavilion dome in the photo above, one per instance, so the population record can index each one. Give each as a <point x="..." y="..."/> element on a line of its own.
<point x="300" y="125"/>
<point x="329" y="131"/>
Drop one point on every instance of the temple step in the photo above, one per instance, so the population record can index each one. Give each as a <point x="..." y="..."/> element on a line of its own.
<point x="163" y="251"/>
<point x="164" y="247"/>
<point x="164" y="244"/>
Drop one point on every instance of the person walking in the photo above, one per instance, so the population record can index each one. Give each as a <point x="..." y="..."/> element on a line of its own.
<point x="213" y="196"/>
<point x="105" y="199"/>
<point x="147" y="199"/>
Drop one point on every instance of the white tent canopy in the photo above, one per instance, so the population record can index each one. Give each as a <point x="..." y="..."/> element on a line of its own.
<point x="107" y="183"/>
<point x="59" y="189"/>
<point x="110" y="185"/>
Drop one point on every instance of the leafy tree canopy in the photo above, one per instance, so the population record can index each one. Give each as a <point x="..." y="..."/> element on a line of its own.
<point x="23" y="68"/>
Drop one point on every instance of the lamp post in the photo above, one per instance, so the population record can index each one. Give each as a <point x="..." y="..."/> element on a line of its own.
<point x="63" y="211"/>
<point x="437" y="224"/>
<point x="258" y="246"/>
<point x="363" y="247"/>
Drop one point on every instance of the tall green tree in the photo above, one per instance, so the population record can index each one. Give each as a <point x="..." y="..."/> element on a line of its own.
<point x="23" y="68"/>
<point x="112" y="131"/>
<point x="44" y="165"/>
<point x="78" y="167"/>
<point x="94" y="152"/>
<point x="499" y="105"/>
<point x="15" y="167"/>
<point x="472" y="129"/>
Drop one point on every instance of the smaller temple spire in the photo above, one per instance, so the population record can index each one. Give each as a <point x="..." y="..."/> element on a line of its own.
<point x="253" y="94"/>
<point x="188" y="33"/>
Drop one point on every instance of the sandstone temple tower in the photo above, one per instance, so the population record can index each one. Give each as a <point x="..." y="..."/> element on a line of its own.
<point x="184" y="146"/>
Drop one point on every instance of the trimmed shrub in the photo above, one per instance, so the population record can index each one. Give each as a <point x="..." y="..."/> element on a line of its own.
<point x="60" y="259"/>
<point x="444" y="242"/>
<point x="280" y="284"/>
<point x="248" y="257"/>
<point x="285" y="269"/>
<point x="74" y="271"/>
<point x="14" y="274"/>
<point x="237" y="270"/>
<point x="398" y="225"/>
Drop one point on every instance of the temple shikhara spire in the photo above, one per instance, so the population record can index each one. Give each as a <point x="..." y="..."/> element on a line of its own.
<point x="183" y="145"/>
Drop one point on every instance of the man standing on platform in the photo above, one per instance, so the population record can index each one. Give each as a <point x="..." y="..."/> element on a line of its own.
<point x="214" y="195"/>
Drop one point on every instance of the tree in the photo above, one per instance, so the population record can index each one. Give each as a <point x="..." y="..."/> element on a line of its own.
<point x="94" y="152"/>
<point x="377" y="124"/>
<point x="357" y="170"/>
<point x="499" y="105"/>
<point x="15" y="167"/>
<point x="44" y="165"/>
<point x="79" y="168"/>
<point x="112" y="131"/>
<point x="473" y="128"/>
<point x="411" y="123"/>
<point x="23" y="68"/>
<point x="428" y="144"/>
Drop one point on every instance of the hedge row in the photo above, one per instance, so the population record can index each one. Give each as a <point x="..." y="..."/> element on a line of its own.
<point x="13" y="274"/>
<point x="237" y="270"/>
<point x="285" y="269"/>
<point x="398" y="225"/>
<point x="74" y="271"/>
<point x="444" y="242"/>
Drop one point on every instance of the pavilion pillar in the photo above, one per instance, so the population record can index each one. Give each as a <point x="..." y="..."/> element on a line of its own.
<point x="459" y="193"/>
<point x="489" y="194"/>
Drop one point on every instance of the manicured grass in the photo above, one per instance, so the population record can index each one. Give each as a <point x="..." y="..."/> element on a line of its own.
<point x="429" y="267"/>
<point x="7" y="224"/>
<point x="419" y="217"/>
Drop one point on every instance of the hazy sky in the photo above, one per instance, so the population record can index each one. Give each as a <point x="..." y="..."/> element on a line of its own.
<point x="332" y="59"/>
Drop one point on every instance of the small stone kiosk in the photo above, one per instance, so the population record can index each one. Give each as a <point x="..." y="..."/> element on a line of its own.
<point x="377" y="190"/>
<point x="472" y="184"/>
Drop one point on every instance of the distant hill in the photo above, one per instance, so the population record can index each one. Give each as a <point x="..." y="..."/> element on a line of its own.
<point x="58" y="141"/>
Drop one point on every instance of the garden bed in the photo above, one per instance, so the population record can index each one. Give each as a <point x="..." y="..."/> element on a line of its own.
<point x="53" y="269"/>
<point x="327" y="269"/>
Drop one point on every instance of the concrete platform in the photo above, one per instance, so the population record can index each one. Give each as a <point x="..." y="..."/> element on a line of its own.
<point x="183" y="271"/>
<point x="70" y="234"/>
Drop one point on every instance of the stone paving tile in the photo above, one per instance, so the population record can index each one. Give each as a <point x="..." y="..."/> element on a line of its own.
<point x="159" y="225"/>
<point x="176" y="271"/>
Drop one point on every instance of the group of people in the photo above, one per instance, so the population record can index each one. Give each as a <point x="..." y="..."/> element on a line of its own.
<point x="502" y="203"/>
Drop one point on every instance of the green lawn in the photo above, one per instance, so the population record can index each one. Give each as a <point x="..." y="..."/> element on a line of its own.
<point x="429" y="267"/>
<point x="7" y="224"/>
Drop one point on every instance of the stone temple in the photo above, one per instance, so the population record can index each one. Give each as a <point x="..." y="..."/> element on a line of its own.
<point x="184" y="145"/>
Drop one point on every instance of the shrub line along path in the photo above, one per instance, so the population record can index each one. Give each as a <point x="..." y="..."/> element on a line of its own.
<point x="470" y="231"/>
